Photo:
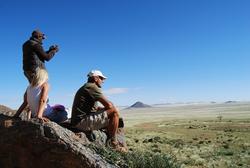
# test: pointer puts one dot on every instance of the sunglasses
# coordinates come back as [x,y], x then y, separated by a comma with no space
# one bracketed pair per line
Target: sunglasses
[101,77]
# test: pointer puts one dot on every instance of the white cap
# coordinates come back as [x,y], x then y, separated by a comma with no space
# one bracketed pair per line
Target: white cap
[96,73]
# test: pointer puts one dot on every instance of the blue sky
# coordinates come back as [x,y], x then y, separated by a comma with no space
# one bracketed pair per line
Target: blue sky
[154,51]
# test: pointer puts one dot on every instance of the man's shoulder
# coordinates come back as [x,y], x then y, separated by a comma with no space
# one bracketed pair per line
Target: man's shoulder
[28,42]
[90,85]
[92,88]
[31,42]
[85,88]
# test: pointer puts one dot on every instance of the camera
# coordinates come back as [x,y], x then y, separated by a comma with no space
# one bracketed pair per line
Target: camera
[53,47]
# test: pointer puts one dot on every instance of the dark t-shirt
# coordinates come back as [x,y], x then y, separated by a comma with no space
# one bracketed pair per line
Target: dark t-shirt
[85,101]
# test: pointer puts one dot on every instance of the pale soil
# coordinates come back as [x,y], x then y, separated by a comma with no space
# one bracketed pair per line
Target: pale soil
[240,110]
[194,134]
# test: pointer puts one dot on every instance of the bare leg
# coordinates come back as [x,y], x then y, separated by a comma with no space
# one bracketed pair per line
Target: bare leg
[113,124]
[112,130]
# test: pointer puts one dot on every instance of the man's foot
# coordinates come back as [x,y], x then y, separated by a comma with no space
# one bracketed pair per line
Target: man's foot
[115,146]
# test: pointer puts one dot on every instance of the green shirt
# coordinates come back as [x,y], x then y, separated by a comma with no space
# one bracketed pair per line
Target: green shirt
[85,101]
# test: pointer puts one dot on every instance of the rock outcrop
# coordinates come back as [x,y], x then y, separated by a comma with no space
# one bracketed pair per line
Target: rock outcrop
[30,143]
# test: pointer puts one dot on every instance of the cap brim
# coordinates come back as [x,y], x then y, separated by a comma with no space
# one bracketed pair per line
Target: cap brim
[104,77]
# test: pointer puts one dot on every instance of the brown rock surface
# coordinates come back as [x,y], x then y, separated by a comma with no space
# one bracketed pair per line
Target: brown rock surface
[34,144]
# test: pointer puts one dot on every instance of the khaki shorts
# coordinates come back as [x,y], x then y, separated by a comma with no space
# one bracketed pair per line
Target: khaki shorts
[94,121]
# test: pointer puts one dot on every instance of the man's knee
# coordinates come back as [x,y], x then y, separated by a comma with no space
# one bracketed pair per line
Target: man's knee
[113,113]
[116,115]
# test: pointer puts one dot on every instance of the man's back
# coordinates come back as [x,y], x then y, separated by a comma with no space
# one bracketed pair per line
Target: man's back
[84,101]
[30,59]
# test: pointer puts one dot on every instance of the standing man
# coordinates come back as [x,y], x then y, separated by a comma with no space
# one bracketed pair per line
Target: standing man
[88,116]
[34,55]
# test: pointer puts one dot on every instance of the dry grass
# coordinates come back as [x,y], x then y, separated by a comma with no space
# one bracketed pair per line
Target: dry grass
[193,133]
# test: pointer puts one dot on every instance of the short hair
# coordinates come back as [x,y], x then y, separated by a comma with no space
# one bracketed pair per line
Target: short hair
[37,33]
[91,79]
[40,77]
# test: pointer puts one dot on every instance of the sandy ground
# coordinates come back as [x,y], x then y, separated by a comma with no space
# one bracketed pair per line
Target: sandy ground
[198,135]
[235,110]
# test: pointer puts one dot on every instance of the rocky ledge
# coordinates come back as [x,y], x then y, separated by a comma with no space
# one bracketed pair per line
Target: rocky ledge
[31,143]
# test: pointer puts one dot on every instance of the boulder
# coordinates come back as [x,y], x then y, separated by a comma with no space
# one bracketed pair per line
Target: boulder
[31,143]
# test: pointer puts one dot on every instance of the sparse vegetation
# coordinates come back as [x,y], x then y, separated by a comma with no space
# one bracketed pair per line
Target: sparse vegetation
[196,140]
[192,142]
[138,159]
[220,117]
[195,147]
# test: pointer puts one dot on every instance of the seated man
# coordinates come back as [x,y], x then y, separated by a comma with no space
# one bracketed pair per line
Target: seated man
[88,116]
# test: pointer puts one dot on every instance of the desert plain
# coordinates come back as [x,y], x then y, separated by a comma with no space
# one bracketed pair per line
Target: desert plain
[197,135]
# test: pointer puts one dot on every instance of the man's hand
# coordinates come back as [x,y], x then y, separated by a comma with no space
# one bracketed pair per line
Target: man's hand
[54,47]
[99,108]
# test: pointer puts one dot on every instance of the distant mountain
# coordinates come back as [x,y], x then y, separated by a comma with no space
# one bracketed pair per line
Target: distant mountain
[227,102]
[161,104]
[139,105]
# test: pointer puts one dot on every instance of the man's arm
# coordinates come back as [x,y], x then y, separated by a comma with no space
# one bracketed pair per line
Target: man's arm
[23,106]
[45,55]
[108,106]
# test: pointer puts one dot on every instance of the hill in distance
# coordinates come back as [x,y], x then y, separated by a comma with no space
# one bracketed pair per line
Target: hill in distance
[5,109]
[139,105]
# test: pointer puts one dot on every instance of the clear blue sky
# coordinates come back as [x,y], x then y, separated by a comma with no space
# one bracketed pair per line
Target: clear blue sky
[155,51]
